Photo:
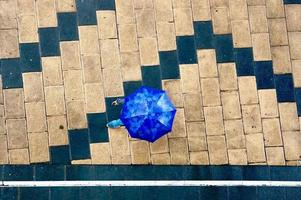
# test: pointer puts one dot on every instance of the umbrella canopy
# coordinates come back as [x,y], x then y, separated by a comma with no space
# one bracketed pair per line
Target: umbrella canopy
[148,114]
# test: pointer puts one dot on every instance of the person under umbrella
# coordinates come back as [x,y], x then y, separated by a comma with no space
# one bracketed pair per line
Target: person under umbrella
[147,114]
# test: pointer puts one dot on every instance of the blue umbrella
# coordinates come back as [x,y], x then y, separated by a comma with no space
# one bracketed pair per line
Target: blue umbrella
[148,114]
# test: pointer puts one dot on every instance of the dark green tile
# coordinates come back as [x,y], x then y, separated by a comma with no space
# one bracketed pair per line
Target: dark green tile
[237,193]
[271,193]
[186,50]
[86,12]
[106,5]
[79,144]
[223,48]
[39,193]
[131,86]
[213,193]
[67,25]
[9,193]
[203,32]
[256,173]
[244,61]
[95,193]
[264,74]
[151,76]
[11,73]
[284,87]
[80,172]
[126,193]
[98,131]
[169,65]
[60,154]
[64,193]
[18,173]
[30,58]
[113,112]
[49,41]
[49,172]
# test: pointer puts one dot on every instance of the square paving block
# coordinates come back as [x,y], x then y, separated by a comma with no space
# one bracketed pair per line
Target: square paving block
[151,76]
[30,58]
[98,131]
[18,173]
[60,154]
[49,172]
[67,26]
[169,65]
[11,73]
[49,41]
[79,144]
[203,32]
[186,50]
[86,12]
[224,48]
[130,87]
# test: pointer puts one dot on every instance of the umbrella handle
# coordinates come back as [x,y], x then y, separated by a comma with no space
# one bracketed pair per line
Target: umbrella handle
[118,101]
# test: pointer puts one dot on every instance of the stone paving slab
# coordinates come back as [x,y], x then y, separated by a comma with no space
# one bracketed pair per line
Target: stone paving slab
[231,67]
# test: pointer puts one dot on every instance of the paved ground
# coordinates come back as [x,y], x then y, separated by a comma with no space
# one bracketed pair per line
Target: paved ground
[232,68]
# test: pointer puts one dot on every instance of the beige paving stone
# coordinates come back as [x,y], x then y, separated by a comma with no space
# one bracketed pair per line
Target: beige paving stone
[2,126]
[190,78]
[160,146]
[100,153]
[201,10]
[210,92]
[197,143]
[275,8]
[258,19]
[288,116]
[18,156]
[237,157]
[178,129]
[46,13]
[255,148]
[293,17]
[70,55]
[163,10]
[181,3]
[94,98]
[16,133]
[125,11]
[261,47]
[145,19]
[207,63]
[81,162]
[76,115]
[296,68]
[130,66]
[140,152]
[9,43]
[292,144]
[231,105]
[183,21]
[28,29]
[247,90]
[14,103]
[281,60]
[1,98]
[251,118]
[55,100]
[166,36]
[33,87]
[73,83]
[119,144]
[271,132]
[112,82]
[295,44]
[52,71]
[199,158]
[110,57]
[278,33]
[88,39]
[127,37]
[268,103]
[2,110]
[275,156]
[179,151]
[91,68]
[143,4]
[293,163]
[65,5]
[38,147]
[217,150]
[241,33]
[36,117]
[8,14]
[221,20]
[148,51]
[172,86]
[196,129]
[177,99]
[193,107]
[227,76]
[214,120]
[106,21]
[160,159]
[219,3]
[3,150]
[234,134]
[25,7]
[238,9]
[57,130]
